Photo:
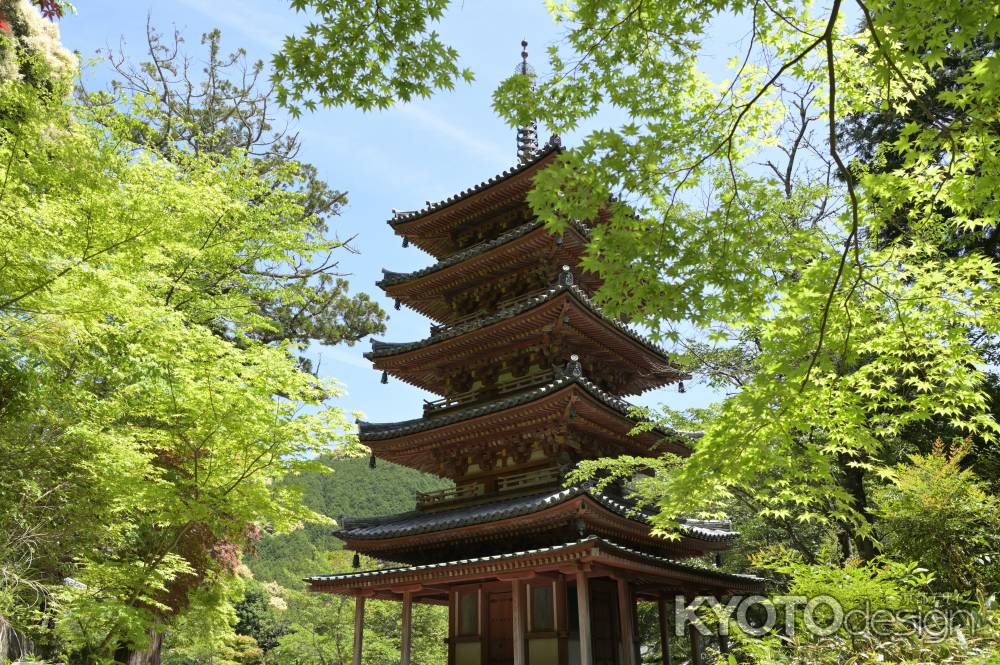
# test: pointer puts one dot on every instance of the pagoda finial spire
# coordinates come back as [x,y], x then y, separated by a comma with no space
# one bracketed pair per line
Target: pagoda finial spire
[527,136]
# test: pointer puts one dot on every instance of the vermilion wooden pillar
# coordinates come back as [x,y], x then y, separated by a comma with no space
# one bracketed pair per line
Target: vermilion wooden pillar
[583,605]
[625,622]
[661,604]
[407,630]
[520,630]
[359,627]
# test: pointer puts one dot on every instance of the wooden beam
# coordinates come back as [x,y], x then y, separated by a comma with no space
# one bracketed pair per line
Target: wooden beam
[723,638]
[521,575]
[519,618]
[625,623]
[697,644]
[583,605]
[404,588]
[359,627]
[636,637]
[407,629]
[452,625]
[662,609]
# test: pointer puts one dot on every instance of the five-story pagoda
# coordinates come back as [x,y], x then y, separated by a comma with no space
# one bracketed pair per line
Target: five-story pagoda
[530,374]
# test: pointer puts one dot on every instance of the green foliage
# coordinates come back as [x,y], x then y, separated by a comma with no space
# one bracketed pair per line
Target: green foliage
[367,54]
[351,489]
[856,340]
[258,617]
[166,107]
[144,427]
[204,632]
[30,49]
[938,514]
[290,625]
[882,604]
[322,631]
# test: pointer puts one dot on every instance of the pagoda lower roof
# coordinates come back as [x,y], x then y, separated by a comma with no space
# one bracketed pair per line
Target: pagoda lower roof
[419,522]
[428,228]
[569,403]
[391,278]
[379,431]
[425,290]
[415,362]
[650,569]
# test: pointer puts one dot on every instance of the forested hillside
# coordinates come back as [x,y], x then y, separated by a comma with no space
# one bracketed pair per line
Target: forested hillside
[815,233]
[351,488]
[276,620]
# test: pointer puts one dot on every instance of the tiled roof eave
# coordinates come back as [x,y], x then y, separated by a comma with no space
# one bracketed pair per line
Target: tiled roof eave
[382,349]
[381,431]
[554,146]
[392,278]
[585,547]
[417,522]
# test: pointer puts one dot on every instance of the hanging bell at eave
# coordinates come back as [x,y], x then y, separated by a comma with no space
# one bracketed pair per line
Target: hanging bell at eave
[356,561]
[680,387]
[397,305]
[406,243]
[371,461]
[385,377]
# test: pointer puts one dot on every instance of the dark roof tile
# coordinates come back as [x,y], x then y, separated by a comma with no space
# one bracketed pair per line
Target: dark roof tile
[416,522]
[392,278]
[379,431]
[401,217]
[381,348]
[603,542]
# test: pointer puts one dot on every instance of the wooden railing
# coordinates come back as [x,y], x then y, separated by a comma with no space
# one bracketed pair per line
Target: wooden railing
[426,499]
[509,483]
[516,300]
[528,479]
[470,396]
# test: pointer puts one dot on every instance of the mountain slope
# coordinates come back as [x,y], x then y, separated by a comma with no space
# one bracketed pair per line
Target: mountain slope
[351,489]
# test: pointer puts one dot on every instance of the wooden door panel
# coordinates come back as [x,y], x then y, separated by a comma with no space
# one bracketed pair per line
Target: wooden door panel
[500,629]
[603,628]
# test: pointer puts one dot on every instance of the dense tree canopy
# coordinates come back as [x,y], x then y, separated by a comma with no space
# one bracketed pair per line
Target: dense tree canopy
[167,105]
[145,417]
[824,221]
[857,337]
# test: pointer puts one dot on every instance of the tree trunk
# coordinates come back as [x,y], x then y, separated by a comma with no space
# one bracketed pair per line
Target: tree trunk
[853,481]
[148,656]
[844,539]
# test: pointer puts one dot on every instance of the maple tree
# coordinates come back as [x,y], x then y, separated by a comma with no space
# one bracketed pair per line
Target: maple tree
[858,337]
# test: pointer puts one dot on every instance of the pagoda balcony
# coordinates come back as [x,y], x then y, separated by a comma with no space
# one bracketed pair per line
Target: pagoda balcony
[552,322]
[471,396]
[505,486]
[449,495]
[438,329]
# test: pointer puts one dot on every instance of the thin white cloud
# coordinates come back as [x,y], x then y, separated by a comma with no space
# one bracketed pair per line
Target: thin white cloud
[345,357]
[265,28]
[363,158]
[440,125]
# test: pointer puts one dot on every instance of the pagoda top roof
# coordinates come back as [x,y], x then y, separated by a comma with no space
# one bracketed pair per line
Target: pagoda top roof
[553,146]
[391,278]
[418,522]
[381,431]
[381,349]
[588,544]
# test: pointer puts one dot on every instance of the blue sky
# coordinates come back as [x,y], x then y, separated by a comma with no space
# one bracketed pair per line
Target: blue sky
[398,158]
